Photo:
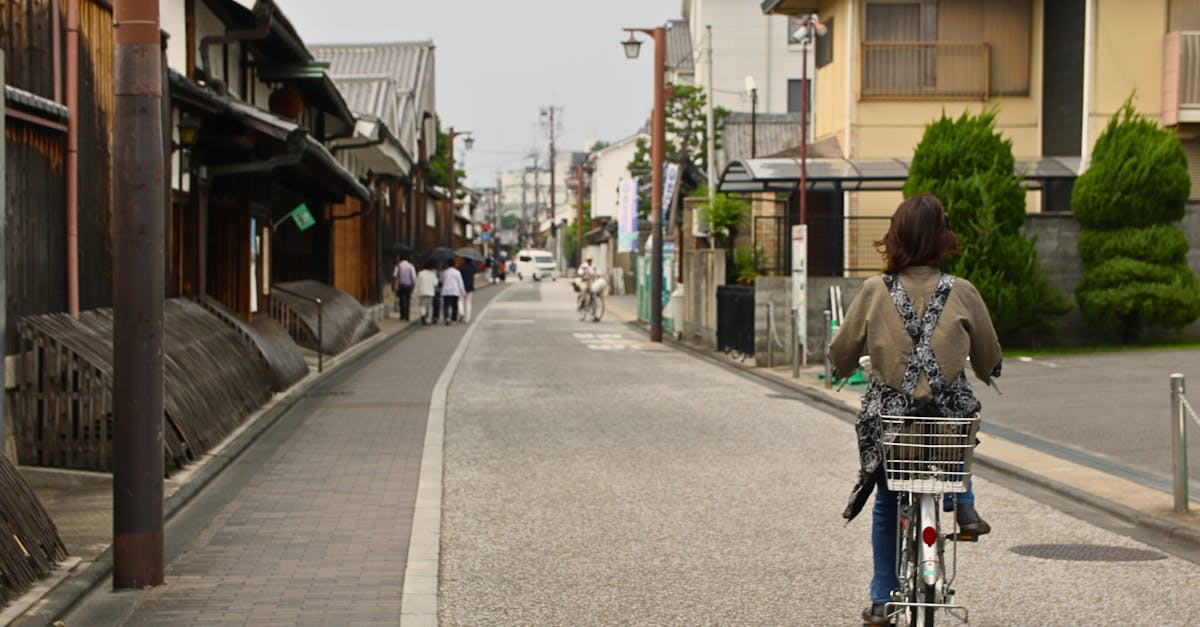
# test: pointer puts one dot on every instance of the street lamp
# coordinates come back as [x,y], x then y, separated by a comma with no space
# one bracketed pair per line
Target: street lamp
[468,143]
[657,157]
[810,28]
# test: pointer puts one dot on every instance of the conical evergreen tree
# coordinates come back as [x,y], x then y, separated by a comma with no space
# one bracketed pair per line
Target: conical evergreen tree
[969,167]
[1135,271]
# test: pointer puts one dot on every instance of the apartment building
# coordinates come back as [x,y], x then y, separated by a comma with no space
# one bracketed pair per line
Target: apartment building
[1055,71]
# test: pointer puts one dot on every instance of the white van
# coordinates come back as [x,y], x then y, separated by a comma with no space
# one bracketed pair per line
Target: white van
[536,263]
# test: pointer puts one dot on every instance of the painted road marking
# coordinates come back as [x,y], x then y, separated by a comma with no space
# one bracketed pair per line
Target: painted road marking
[608,341]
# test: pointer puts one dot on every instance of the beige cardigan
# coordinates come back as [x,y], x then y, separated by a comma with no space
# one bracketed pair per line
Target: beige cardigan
[873,327]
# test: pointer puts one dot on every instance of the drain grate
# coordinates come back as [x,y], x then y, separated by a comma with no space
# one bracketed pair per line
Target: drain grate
[1087,553]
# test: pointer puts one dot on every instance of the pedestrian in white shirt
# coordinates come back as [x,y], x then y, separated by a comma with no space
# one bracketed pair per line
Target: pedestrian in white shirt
[427,282]
[452,289]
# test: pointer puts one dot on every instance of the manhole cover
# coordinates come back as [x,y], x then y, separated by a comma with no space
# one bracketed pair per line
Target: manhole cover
[1087,553]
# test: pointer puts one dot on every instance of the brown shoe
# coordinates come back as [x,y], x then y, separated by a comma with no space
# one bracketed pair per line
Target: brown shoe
[876,614]
[969,521]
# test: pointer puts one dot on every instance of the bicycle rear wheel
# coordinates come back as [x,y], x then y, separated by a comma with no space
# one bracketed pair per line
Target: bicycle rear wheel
[923,616]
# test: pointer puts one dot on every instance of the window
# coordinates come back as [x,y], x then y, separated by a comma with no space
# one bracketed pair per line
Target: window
[946,49]
[824,46]
[794,93]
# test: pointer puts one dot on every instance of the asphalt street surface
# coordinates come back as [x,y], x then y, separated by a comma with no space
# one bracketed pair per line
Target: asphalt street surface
[592,477]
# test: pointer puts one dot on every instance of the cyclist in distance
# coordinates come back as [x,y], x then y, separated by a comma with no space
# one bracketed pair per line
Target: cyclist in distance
[587,273]
[918,325]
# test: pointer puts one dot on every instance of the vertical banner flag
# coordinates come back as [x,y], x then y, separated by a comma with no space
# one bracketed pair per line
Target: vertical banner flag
[670,184]
[627,216]
[800,285]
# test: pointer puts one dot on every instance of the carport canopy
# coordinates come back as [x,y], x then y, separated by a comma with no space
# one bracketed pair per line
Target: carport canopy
[783,175]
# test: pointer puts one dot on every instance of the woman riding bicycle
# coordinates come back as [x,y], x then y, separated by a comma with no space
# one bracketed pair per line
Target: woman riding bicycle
[918,325]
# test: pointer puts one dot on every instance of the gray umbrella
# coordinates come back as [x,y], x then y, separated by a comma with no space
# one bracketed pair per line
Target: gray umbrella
[469,253]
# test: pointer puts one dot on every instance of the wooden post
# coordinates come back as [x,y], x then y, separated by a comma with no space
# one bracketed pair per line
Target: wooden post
[138,284]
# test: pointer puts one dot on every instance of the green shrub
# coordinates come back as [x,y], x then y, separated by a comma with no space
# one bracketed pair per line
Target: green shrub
[1160,243]
[1138,176]
[969,167]
[743,265]
[1135,271]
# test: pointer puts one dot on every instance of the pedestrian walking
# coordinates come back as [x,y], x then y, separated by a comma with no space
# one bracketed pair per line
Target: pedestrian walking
[426,288]
[404,277]
[452,289]
[468,278]
[501,266]
[919,326]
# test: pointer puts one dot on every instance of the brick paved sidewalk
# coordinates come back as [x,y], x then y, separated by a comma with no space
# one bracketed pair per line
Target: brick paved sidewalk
[311,525]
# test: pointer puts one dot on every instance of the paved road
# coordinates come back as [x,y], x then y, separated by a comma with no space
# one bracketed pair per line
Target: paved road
[590,477]
[311,524]
[1111,409]
[606,480]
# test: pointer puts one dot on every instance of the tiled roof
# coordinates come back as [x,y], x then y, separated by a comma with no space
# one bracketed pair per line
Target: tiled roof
[390,81]
[775,132]
[679,46]
[35,102]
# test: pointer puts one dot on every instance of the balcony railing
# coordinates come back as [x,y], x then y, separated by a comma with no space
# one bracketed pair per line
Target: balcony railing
[920,70]
[1181,77]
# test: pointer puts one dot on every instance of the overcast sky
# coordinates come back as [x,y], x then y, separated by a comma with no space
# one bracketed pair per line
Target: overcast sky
[499,62]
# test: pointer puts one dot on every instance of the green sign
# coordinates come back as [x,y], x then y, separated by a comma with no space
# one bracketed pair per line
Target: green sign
[302,217]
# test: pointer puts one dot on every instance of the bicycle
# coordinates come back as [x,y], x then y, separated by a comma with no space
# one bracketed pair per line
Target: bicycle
[592,306]
[925,458]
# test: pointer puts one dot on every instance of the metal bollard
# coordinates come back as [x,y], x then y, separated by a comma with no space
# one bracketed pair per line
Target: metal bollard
[320,336]
[1179,443]
[795,343]
[828,339]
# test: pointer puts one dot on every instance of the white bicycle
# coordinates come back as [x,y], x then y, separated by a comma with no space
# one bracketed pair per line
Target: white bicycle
[592,304]
[925,458]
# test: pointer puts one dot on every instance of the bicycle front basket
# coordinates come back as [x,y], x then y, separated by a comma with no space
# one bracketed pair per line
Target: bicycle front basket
[927,454]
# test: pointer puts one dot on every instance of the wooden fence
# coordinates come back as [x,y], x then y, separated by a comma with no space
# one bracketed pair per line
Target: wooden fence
[29,542]
[213,379]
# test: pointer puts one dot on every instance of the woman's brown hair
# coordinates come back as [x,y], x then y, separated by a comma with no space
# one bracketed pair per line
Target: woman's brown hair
[919,235]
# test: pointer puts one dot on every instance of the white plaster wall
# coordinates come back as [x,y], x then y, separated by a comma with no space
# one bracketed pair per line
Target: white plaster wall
[172,19]
[609,169]
[745,43]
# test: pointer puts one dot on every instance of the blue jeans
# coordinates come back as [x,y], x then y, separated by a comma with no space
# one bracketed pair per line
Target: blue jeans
[883,537]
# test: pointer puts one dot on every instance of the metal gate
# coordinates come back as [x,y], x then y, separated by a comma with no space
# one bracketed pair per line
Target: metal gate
[735,318]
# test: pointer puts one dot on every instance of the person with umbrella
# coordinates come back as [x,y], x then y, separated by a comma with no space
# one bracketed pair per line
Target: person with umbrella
[467,269]
[452,289]
[426,290]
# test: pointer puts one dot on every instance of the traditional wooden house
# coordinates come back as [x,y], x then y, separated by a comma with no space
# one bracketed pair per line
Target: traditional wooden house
[58,254]
[258,198]
[390,89]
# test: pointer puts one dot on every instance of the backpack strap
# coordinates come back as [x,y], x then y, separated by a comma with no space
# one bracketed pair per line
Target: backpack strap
[921,359]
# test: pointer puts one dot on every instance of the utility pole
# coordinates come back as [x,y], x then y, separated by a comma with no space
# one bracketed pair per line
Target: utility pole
[537,202]
[709,123]
[549,111]
[579,212]
[138,285]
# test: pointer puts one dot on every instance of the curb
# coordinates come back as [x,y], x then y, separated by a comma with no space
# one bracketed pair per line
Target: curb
[64,597]
[849,413]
